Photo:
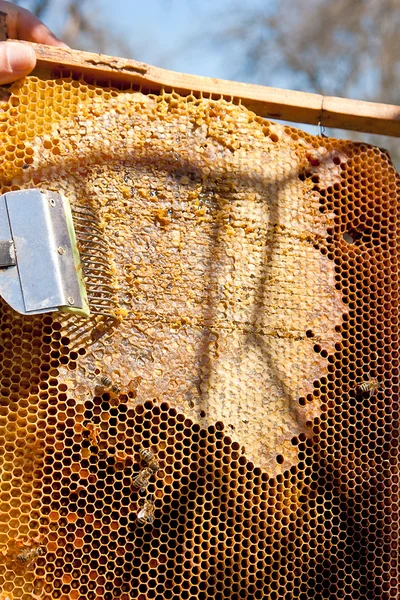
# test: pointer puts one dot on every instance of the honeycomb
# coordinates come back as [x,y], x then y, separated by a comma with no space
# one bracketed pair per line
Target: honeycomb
[249,344]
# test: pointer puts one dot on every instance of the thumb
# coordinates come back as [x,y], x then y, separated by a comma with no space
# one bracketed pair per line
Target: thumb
[16,60]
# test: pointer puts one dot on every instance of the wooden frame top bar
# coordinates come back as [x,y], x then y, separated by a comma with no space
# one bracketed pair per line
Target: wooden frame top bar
[273,103]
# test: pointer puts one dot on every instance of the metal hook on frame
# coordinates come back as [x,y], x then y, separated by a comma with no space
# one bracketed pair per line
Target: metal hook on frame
[321,127]
[321,130]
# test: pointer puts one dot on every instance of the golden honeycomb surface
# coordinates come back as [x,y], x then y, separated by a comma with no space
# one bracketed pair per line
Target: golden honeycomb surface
[250,341]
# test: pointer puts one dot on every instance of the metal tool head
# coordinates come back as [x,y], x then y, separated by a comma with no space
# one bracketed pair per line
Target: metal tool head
[40,269]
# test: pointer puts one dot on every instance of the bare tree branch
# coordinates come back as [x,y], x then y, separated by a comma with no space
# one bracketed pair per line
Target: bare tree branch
[332,47]
[41,7]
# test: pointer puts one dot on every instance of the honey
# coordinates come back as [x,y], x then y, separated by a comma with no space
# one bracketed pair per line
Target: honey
[254,279]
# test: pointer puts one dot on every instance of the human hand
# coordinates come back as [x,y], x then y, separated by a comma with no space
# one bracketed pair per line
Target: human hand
[17,60]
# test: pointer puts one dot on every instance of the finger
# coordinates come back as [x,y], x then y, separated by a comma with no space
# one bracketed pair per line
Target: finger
[16,60]
[23,25]
[31,29]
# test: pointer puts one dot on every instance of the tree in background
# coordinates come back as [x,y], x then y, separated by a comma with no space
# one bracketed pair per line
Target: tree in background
[332,47]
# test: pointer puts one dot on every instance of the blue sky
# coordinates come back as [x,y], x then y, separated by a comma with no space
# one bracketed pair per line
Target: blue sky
[166,33]
[175,34]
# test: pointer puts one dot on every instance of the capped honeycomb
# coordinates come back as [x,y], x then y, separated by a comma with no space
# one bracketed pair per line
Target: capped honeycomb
[225,424]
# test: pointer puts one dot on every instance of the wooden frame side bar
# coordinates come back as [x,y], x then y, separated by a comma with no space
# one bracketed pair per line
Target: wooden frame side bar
[265,101]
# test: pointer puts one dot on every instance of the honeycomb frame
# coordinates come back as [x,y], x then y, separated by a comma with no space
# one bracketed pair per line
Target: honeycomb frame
[324,525]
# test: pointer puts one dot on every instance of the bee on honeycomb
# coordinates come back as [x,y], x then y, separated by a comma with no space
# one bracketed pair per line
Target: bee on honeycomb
[28,555]
[371,386]
[146,513]
[108,383]
[148,457]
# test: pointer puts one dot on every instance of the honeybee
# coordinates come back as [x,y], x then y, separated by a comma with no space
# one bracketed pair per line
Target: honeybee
[372,385]
[107,382]
[142,480]
[93,433]
[147,455]
[28,555]
[146,512]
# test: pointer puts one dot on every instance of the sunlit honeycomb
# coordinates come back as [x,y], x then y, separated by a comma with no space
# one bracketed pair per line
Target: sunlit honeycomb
[265,488]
